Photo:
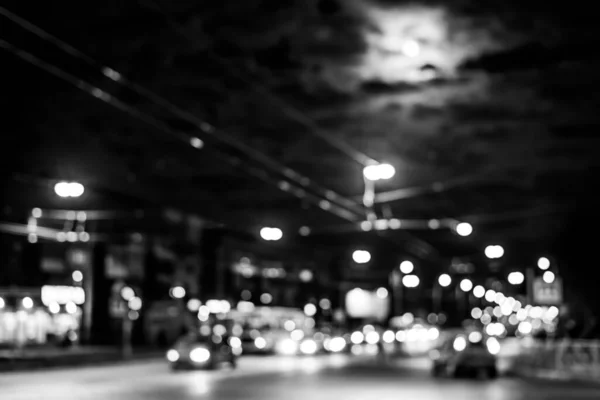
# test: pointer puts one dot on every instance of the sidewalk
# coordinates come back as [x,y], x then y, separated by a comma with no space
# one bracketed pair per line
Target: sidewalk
[48,357]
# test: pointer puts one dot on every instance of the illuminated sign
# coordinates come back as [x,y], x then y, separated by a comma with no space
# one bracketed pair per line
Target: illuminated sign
[547,293]
[366,304]
[62,294]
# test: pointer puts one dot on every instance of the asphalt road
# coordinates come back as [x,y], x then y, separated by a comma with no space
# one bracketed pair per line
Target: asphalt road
[265,378]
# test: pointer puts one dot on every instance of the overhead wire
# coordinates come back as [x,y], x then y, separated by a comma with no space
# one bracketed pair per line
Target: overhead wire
[298,116]
[204,126]
[352,214]
[161,126]
[289,110]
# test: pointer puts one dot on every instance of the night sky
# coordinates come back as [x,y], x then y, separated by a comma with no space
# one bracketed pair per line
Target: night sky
[490,111]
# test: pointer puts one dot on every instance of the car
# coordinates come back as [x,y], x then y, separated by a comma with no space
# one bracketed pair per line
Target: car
[203,352]
[461,356]
[255,342]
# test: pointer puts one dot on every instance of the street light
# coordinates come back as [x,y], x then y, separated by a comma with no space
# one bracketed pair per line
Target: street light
[549,277]
[466,285]
[197,142]
[410,281]
[543,263]
[516,278]
[310,309]
[361,256]
[77,276]
[464,229]
[406,267]
[271,234]
[378,172]
[69,189]
[444,280]
[127,293]
[177,292]
[493,252]
[479,291]
[382,293]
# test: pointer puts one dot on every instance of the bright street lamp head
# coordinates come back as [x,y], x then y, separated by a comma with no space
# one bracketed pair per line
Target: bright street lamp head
[548,277]
[466,285]
[464,229]
[69,189]
[361,256]
[444,280]
[386,171]
[493,252]
[410,281]
[378,172]
[543,263]
[406,267]
[271,234]
[516,278]
[479,291]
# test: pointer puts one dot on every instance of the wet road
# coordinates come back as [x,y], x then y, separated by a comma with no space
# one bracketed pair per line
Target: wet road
[264,378]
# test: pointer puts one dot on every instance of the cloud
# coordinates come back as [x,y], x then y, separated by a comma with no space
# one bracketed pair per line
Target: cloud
[394,42]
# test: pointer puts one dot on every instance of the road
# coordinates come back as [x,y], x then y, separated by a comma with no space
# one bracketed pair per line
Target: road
[264,378]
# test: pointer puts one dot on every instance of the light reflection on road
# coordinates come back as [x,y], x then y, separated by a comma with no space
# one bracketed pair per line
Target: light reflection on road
[264,378]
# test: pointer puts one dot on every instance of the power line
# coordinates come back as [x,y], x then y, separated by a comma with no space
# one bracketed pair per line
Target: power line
[204,126]
[288,109]
[117,103]
[330,196]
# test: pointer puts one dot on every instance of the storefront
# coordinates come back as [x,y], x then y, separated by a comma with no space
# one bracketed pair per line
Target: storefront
[50,315]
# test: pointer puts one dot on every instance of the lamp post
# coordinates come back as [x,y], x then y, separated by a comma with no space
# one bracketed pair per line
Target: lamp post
[371,174]
[543,264]
[397,291]
[400,278]
[443,281]
[463,289]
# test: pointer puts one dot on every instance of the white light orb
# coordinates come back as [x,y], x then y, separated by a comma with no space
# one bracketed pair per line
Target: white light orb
[361,256]
[382,293]
[466,285]
[543,263]
[479,291]
[464,229]
[407,267]
[444,280]
[549,277]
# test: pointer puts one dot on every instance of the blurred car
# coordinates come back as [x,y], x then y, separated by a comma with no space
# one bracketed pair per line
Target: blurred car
[337,344]
[207,352]
[256,342]
[302,347]
[466,355]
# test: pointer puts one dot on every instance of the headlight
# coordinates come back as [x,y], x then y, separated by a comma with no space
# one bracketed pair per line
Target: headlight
[260,343]
[287,347]
[172,355]
[493,345]
[308,347]
[460,343]
[235,342]
[199,355]
[475,337]
[337,344]
[357,337]
[372,337]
